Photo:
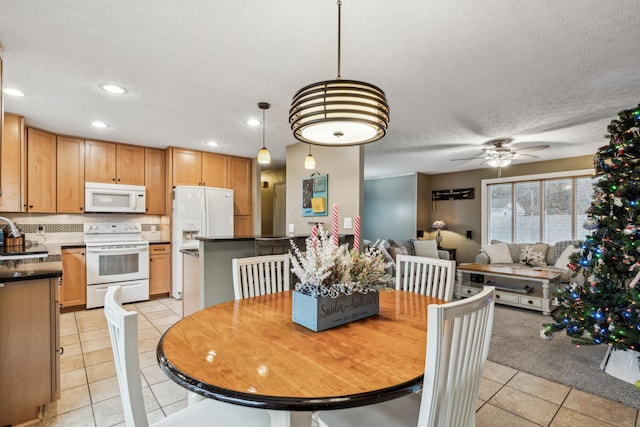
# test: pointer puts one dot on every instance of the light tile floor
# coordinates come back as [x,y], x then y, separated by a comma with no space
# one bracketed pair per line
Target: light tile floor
[90,395]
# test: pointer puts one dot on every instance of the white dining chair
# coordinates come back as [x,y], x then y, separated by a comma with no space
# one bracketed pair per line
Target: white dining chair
[123,330]
[260,275]
[427,276]
[458,340]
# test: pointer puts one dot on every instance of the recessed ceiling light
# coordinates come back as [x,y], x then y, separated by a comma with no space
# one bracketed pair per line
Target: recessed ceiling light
[212,144]
[253,122]
[98,124]
[13,92]
[117,90]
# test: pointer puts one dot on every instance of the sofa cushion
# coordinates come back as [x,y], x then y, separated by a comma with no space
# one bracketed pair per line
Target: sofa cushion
[398,250]
[425,248]
[498,253]
[534,255]
[563,259]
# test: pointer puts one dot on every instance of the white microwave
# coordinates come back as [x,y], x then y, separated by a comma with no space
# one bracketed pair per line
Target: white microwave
[114,198]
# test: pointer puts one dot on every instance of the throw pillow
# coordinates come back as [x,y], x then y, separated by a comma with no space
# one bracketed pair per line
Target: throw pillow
[498,253]
[398,250]
[534,255]
[563,259]
[425,248]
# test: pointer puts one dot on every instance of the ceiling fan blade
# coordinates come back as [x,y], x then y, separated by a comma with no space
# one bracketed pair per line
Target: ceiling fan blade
[530,149]
[468,158]
[520,155]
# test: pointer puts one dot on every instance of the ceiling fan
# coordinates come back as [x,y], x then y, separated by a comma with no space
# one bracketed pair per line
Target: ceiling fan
[500,154]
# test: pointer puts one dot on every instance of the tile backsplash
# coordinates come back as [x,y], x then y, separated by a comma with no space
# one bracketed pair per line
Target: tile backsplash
[54,235]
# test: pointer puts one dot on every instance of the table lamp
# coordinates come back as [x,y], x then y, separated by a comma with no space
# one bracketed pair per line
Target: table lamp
[439,225]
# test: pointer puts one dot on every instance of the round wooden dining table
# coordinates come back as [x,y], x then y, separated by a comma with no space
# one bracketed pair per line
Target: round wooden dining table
[249,352]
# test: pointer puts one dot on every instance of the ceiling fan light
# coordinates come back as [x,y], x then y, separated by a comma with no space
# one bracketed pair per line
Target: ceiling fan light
[499,163]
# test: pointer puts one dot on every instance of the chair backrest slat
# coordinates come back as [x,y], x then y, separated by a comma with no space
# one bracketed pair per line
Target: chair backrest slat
[458,344]
[426,276]
[261,275]
[123,331]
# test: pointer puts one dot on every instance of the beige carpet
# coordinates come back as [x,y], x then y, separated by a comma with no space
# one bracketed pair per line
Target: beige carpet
[516,343]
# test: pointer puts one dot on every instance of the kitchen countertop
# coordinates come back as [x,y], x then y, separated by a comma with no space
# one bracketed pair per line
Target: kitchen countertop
[23,250]
[31,271]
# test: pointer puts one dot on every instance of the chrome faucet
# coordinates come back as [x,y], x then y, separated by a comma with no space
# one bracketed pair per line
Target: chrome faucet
[14,230]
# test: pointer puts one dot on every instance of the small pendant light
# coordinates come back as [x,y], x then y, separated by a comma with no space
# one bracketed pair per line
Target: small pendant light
[309,161]
[263,154]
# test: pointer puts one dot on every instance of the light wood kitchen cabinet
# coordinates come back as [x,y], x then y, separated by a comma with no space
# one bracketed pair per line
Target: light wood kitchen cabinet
[154,180]
[112,163]
[13,165]
[41,171]
[29,349]
[214,170]
[240,182]
[130,165]
[242,225]
[159,270]
[187,167]
[73,292]
[70,169]
[100,162]
[199,168]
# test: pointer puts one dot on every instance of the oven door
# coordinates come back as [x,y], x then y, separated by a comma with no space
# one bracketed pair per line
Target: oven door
[117,262]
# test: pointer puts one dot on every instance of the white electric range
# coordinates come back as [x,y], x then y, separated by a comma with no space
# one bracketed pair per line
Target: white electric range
[116,255]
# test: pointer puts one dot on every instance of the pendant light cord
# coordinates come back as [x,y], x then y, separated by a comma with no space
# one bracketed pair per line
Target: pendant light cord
[263,127]
[339,35]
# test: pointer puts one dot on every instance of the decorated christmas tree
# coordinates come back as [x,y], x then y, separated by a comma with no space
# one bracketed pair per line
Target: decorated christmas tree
[602,303]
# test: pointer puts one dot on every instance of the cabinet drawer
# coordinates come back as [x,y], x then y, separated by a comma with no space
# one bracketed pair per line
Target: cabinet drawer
[468,291]
[533,302]
[159,249]
[501,296]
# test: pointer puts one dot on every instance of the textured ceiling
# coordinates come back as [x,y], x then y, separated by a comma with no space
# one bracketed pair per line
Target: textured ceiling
[456,74]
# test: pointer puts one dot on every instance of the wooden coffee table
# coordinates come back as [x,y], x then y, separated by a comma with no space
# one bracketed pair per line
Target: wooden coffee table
[538,281]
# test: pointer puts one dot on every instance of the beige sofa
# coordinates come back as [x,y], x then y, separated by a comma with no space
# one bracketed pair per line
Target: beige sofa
[553,253]
[394,247]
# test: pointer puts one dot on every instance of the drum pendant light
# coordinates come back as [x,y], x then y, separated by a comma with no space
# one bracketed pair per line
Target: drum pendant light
[339,112]
[264,156]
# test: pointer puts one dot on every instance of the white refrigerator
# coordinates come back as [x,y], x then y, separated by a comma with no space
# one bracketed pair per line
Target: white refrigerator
[198,212]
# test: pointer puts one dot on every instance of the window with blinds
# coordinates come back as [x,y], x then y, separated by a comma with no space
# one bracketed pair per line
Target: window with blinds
[544,210]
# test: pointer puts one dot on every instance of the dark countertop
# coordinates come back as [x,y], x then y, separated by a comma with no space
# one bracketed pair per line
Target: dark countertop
[23,250]
[225,239]
[31,271]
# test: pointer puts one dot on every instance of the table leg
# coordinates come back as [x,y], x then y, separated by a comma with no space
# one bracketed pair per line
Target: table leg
[545,297]
[459,274]
[289,418]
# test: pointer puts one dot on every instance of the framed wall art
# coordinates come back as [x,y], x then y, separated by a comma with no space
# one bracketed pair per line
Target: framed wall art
[314,195]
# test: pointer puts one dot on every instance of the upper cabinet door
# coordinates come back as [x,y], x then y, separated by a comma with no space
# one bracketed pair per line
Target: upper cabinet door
[240,182]
[70,175]
[41,171]
[14,162]
[130,165]
[214,170]
[187,167]
[154,180]
[100,162]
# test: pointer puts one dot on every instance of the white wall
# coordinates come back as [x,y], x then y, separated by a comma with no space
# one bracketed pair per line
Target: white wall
[345,169]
